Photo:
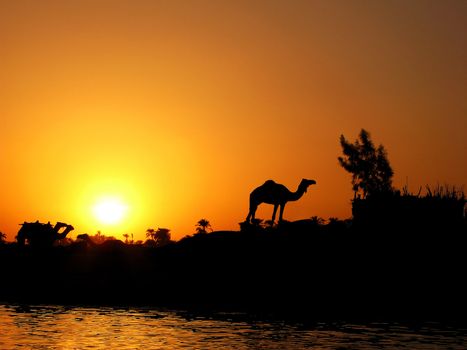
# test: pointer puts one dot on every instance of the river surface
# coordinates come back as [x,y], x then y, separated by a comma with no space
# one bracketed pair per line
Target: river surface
[59,327]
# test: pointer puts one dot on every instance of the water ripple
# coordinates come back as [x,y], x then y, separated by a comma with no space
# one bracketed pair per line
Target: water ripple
[57,327]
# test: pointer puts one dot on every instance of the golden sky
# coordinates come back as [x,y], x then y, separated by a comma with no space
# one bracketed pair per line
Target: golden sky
[180,108]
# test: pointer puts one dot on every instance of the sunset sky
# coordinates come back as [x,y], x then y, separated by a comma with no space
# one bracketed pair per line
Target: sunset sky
[175,110]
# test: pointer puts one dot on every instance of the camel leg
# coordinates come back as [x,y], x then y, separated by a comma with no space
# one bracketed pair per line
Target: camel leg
[281,212]
[274,213]
[20,238]
[251,213]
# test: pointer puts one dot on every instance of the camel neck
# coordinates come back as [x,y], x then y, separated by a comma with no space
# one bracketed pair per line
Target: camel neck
[294,196]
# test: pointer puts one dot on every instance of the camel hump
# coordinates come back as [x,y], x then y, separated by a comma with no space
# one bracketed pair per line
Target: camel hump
[267,186]
[269,183]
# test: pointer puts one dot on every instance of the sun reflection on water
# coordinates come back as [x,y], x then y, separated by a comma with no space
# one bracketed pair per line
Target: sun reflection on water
[56,327]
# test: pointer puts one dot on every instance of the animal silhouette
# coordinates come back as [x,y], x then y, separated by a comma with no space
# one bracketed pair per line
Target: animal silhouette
[276,194]
[109,243]
[84,237]
[39,234]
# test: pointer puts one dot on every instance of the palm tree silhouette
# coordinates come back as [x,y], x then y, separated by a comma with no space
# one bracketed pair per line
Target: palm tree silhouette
[202,226]
[150,233]
[318,221]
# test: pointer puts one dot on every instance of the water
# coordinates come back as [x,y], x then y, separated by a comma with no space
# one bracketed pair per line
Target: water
[57,327]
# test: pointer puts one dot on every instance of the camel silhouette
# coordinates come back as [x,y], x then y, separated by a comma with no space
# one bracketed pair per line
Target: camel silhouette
[38,234]
[276,194]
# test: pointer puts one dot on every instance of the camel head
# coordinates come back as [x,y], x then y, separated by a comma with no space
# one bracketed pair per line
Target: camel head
[305,183]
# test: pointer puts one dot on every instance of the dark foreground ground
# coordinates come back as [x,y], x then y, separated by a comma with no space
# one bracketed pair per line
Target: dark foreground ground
[337,274]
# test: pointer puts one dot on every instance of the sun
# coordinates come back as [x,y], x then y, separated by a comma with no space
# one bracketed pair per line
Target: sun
[110,211]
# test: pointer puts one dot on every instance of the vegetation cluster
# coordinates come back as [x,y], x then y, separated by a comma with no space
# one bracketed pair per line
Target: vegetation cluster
[377,205]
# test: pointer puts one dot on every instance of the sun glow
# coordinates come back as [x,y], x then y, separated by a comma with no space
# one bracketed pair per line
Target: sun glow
[110,211]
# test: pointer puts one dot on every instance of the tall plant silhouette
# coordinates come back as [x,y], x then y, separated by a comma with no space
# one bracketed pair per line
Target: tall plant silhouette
[317,221]
[369,166]
[2,238]
[162,237]
[202,226]
[158,238]
[150,233]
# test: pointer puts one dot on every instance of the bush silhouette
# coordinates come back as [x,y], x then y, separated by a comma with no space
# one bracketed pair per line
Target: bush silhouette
[438,210]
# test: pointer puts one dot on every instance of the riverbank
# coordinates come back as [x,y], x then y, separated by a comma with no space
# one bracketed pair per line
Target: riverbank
[333,275]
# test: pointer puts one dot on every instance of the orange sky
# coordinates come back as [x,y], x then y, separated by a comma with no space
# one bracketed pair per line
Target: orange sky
[181,108]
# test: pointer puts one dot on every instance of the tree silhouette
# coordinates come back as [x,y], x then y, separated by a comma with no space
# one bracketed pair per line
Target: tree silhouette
[158,238]
[202,226]
[150,233]
[162,237]
[369,166]
[2,238]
